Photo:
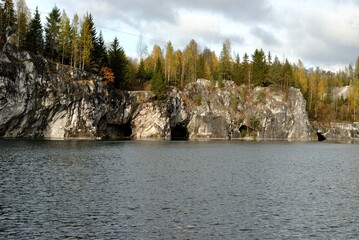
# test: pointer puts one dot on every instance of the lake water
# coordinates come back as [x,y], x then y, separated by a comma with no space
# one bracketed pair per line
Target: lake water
[178,190]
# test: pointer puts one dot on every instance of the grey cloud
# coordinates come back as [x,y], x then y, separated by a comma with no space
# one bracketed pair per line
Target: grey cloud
[244,10]
[137,11]
[266,37]
[291,30]
[324,52]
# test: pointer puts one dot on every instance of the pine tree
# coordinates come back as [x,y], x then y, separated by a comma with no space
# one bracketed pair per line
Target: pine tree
[52,30]
[118,62]
[34,39]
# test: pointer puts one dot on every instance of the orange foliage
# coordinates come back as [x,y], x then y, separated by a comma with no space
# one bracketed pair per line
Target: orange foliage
[108,75]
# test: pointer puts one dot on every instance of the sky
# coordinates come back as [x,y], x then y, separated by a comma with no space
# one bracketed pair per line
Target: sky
[321,33]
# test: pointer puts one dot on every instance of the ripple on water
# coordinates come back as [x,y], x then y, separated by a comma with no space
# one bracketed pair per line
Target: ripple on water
[182,190]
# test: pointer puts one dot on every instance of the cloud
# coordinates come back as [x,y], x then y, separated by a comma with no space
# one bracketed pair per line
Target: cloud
[266,37]
[322,32]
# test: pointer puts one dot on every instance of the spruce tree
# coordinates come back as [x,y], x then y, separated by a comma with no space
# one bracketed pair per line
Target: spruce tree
[98,55]
[141,74]
[259,68]
[275,73]
[245,71]
[8,20]
[158,81]
[118,62]
[52,32]
[34,38]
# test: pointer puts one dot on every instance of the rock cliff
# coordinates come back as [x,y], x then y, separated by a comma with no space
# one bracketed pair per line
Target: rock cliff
[42,99]
[340,131]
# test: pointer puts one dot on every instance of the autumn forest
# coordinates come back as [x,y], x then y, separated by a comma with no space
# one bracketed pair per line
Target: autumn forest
[75,41]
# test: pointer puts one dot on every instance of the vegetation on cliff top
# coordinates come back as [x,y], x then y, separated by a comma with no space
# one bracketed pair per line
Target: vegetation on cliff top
[76,42]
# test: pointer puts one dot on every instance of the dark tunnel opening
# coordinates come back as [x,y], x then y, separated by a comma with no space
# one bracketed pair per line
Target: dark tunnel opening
[119,131]
[179,133]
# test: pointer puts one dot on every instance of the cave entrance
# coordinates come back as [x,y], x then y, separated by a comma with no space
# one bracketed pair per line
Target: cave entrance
[119,131]
[179,132]
[321,137]
[245,131]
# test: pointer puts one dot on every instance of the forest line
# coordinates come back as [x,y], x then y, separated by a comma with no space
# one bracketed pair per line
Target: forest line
[77,42]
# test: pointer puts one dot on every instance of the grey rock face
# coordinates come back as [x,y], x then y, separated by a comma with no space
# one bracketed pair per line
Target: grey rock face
[341,132]
[41,99]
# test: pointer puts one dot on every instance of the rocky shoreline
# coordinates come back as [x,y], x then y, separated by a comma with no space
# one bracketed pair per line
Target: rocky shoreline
[42,99]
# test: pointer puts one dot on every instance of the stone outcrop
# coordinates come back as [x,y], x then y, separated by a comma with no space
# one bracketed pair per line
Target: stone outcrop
[42,99]
[340,131]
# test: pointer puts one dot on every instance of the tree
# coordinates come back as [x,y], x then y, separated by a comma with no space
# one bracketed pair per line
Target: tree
[86,41]
[118,62]
[210,61]
[189,63]
[2,24]
[177,66]
[354,97]
[275,76]
[75,42]
[245,71]
[287,76]
[52,30]
[158,81]
[151,60]
[34,38]
[226,60]
[100,54]
[22,21]
[301,80]
[108,75]
[169,63]
[8,20]
[141,48]
[259,68]
[237,71]
[203,69]
[65,37]
[141,74]
[97,57]
[356,71]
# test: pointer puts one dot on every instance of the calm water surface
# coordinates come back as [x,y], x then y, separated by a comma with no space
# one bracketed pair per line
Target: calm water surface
[178,190]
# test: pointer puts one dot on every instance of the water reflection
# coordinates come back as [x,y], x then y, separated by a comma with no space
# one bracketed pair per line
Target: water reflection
[163,190]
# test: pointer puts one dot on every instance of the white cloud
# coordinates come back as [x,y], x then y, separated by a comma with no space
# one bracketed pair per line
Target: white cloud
[321,33]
